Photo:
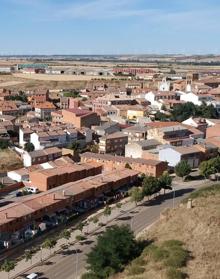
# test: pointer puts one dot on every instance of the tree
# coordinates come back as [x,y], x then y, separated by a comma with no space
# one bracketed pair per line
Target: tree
[127,166]
[136,195]
[209,167]
[115,248]
[8,266]
[165,181]
[4,144]
[150,186]
[80,226]
[66,234]
[29,147]
[182,169]
[74,146]
[107,211]
[28,255]
[49,243]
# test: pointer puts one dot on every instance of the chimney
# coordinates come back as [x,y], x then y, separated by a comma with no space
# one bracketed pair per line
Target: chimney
[64,193]
[54,196]
[6,215]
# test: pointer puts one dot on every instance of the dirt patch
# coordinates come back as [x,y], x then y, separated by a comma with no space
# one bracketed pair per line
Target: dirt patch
[60,77]
[9,160]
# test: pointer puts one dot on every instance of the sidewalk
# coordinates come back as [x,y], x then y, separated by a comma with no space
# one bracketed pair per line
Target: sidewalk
[45,254]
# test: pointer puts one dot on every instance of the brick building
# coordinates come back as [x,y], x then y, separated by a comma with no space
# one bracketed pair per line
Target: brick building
[47,179]
[20,216]
[149,167]
[77,117]
[113,143]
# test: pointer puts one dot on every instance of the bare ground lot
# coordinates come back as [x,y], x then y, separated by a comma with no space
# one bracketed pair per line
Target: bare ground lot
[59,77]
[9,160]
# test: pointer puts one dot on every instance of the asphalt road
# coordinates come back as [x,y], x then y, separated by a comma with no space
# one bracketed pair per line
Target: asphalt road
[70,264]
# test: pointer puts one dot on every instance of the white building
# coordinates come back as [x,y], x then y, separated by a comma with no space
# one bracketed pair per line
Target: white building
[164,85]
[136,149]
[174,155]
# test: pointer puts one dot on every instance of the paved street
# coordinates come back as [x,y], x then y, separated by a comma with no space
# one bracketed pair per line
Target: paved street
[70,264]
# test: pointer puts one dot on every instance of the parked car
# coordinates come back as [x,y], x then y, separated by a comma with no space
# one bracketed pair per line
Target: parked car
[33,190]
[32,276]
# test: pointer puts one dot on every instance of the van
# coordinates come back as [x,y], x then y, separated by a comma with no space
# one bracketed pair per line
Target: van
[32,276]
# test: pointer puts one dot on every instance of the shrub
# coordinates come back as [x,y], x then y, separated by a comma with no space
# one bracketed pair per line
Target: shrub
[89,275]
[177,257]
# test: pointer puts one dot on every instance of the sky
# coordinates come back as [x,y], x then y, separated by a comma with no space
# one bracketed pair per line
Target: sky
[109,27]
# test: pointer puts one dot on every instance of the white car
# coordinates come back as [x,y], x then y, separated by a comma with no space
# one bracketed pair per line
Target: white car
[32,276]
[33,190]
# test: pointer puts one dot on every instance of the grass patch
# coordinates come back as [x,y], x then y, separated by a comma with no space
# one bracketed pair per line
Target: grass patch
[173,273]
[135,269]
[171,254]
[204,192]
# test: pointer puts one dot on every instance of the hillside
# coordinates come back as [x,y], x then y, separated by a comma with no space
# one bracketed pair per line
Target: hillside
[198,254]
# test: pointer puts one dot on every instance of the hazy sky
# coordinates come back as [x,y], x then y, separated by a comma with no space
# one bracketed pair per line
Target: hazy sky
[109,26]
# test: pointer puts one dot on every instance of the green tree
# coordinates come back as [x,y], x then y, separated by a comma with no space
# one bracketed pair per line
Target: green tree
[182,169]
[136,195]
[29,147]
[66,234]
[209,167]
[165,181]
[29,255]
[49,243]
[115,248]
[150,186]
[8,266]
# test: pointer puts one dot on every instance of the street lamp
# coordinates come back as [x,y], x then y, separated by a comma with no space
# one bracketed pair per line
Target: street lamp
[174,195]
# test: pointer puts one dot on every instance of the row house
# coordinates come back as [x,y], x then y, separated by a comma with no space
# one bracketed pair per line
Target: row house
[47,179]
[26,213]
[41,156]
[8,108]
[149,167]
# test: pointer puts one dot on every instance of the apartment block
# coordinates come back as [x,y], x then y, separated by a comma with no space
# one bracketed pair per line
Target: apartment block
[113,143]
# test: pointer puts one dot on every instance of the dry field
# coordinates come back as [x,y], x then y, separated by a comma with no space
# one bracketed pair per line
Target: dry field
[199,229]
[58,78]
[9,160]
